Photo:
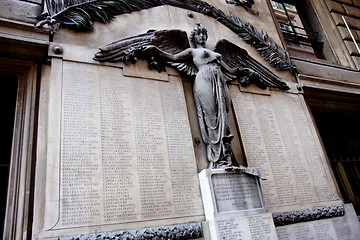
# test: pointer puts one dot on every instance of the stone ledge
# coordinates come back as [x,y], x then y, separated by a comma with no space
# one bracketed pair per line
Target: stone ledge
[335,7]
[353,23]
[180,231]
[352,11]
[346,35]
[19,10]
[310,214]
[344,1]
[326,70]
[352,48]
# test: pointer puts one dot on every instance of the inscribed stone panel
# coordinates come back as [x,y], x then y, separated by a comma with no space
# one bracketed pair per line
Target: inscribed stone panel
[278,139]
[121,159]
[236,192]
[255,227]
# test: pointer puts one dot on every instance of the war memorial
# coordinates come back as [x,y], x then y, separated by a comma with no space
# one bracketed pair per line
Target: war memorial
[172,120]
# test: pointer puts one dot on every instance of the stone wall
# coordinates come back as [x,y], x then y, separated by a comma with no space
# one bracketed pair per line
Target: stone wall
[350,9]
[22,11]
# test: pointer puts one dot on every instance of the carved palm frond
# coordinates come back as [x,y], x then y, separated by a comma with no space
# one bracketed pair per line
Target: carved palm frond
[267,48]
[80,15]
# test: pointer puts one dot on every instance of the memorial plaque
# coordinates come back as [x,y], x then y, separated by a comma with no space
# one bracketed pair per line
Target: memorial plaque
[120,157]
[278,139]
[236,192]
[255,227]
[234,206]
[230,193]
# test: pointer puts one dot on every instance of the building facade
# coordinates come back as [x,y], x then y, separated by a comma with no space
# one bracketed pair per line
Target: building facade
[93,147]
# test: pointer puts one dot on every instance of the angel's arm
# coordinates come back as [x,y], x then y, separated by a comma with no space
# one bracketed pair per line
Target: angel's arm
[231,70]
[181,56]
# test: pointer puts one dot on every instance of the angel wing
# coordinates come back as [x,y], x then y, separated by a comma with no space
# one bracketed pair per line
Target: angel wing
[138,47]
[236,57]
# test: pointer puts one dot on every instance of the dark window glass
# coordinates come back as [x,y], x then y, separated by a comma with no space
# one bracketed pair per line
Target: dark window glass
[8,105]
[340,134]
[296,28]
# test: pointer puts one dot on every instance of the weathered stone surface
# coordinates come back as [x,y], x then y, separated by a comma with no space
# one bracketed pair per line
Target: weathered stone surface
[357,35]
[344,32]
[352,22]
[357,61]
[327,71]
[19,10]
[352,11]
[352,48]
[335,7]
[344,1]
[279,139]
[356,3]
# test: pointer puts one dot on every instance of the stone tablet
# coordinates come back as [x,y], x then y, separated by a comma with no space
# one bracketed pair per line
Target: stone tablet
[255,227]
[278,138]
[236,192]
[230,193]
[126,153]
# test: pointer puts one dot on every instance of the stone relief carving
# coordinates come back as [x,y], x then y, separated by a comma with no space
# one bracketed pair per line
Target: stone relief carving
[246,4]
[310,214]
[181,231]
[211,70]
[80,15]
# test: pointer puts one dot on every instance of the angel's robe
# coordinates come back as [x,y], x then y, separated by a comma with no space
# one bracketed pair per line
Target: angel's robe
[212,100]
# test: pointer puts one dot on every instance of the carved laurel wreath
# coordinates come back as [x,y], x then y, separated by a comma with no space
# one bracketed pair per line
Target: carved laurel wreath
[80,15]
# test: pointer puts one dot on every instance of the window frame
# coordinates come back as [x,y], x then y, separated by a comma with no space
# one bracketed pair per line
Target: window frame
[18,215]
[310,39]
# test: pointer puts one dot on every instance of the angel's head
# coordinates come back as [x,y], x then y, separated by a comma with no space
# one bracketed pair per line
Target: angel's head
[198,35]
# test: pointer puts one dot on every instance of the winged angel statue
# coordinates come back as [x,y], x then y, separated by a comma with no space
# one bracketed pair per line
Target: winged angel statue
[211,71]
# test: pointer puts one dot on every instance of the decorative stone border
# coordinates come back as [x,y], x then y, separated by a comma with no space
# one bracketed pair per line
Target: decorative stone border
[310,214]
[181,231]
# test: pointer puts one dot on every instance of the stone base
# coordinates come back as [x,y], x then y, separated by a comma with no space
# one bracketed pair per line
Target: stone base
[234,207]
[252,227]
[230,193]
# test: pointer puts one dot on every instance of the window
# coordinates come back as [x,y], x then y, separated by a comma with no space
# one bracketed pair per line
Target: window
[8,103]
[297,31]
[17,146]
[337,117]
[341,137]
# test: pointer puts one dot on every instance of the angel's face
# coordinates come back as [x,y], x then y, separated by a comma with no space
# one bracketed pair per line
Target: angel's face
[200,37]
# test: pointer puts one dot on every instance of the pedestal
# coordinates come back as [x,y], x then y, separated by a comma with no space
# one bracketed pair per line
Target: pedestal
[234,206]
